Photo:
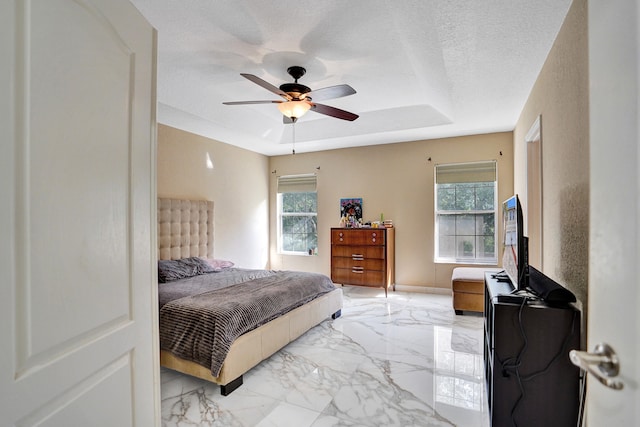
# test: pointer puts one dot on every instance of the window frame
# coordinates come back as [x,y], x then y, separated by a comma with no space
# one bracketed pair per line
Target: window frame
[439,214]
[307,185]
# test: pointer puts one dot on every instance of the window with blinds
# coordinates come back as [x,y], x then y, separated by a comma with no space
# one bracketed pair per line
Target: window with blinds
[465,213]
[297,214]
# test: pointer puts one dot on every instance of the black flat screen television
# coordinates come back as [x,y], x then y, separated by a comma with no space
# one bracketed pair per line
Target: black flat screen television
[515,251]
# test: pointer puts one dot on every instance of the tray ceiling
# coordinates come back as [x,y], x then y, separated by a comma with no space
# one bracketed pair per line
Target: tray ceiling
[421,69]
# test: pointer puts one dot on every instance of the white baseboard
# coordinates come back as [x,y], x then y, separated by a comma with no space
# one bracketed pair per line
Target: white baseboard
[423,289]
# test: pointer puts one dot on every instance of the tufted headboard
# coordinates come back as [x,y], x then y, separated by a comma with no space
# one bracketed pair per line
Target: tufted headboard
[185,228]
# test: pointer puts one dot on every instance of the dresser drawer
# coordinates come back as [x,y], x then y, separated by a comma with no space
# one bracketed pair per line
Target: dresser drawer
[358,263]
[358,252]
[358,277]
[358,236]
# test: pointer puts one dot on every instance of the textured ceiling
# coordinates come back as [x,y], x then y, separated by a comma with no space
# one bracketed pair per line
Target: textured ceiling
[421,68]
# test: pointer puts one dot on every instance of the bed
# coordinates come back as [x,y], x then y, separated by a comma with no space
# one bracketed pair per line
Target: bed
[185,237]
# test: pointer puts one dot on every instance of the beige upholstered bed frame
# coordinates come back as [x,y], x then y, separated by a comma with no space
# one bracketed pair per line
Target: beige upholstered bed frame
[185,228]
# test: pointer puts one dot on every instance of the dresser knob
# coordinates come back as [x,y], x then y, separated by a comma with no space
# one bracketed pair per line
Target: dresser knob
[374,239]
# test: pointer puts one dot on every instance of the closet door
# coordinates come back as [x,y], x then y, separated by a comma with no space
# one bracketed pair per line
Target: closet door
[77,218]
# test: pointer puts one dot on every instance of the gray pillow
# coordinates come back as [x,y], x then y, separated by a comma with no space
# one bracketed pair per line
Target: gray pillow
[169,270]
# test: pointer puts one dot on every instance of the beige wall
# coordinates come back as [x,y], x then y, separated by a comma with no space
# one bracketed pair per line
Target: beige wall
[394,179]
[237,184]
[560,97]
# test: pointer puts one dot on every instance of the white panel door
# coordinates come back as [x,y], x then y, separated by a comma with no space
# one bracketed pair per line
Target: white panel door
[614,259]
[77,218]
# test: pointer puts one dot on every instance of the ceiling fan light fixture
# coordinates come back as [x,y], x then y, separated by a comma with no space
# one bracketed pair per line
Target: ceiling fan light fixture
[294,109]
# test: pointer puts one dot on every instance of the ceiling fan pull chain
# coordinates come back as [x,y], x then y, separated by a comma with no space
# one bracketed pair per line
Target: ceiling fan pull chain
[293,126]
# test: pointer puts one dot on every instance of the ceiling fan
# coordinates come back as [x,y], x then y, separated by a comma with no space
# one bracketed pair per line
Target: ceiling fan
[298,98]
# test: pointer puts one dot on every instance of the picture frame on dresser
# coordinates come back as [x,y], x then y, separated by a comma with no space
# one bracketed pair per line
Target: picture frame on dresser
[351,207]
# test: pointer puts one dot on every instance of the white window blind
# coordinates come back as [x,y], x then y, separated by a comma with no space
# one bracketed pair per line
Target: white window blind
[297,183]
[466,172]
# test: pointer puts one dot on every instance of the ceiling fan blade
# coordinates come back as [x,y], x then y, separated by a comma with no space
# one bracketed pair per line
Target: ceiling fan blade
[333,112]
[268,86]
[250,102]
[331,92]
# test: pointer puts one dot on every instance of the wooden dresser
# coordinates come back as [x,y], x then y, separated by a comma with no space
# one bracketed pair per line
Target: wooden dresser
[363,256]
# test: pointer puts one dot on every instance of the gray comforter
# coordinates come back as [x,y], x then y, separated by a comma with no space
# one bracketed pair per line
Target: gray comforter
[200,317]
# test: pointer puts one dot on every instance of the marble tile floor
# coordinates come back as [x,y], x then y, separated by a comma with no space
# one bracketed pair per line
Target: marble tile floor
[405,360]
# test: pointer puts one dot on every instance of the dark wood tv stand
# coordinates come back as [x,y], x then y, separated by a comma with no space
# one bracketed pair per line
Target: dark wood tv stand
[540,367]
